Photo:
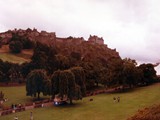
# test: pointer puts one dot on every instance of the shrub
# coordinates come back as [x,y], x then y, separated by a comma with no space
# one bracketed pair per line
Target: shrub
[151,113]
[15,46]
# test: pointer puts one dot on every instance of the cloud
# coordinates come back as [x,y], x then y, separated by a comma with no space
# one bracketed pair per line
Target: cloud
[130,26]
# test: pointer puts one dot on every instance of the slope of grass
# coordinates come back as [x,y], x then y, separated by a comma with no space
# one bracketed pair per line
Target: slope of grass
[22,57]
[12,58]
[101,108]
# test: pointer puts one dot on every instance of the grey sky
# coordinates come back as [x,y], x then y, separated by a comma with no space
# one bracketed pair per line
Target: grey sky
[130,26]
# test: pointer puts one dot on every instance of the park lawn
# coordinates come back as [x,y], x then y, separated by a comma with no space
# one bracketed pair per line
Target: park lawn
[16,95]
[101,108]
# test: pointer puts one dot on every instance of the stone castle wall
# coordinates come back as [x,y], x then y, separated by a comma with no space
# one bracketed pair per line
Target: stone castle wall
[47,37]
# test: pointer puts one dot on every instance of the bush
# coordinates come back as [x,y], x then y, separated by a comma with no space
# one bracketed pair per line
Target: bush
[151,113]
[15,46]
[27,44]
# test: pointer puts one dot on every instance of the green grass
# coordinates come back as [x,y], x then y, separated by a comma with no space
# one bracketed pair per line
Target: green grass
[12,58]
[16,95]
[101,108]
[24,56]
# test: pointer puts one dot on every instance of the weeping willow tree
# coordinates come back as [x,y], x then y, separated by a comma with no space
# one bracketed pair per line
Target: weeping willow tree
[35,84]
[64,84]
[80,78]
[55,83]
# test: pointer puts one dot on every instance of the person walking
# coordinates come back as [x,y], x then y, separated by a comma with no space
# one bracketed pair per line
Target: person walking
[118,99]
[31,116]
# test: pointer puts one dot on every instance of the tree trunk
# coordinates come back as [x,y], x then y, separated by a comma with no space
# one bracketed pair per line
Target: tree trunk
[97,84]
[38,96]
[71,101]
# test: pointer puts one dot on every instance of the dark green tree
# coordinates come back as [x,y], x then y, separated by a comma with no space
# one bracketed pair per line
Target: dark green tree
[24,40]
[149,73]
[15,73]
[55,83]
[35,82]
[115,72]
[80,78]
[63,83]
[15,46]
[47,90]
[130,72]
[44,57]
[61,62]
[2,77]
[4,68]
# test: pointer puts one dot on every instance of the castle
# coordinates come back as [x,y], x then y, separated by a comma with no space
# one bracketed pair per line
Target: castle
[46,37]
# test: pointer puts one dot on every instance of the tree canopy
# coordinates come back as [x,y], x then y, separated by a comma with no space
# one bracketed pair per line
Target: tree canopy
[64,83]
[36,82]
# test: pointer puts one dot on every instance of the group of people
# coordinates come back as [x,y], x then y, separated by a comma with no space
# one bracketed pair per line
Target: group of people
[116,99]
[3,100]
[14,106]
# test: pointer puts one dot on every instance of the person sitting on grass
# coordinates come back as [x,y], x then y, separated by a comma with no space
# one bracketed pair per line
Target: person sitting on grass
[114,99]
[15,118]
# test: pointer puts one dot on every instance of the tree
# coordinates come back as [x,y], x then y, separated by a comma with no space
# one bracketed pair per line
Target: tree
[47,88]
[61,62]
[35,82]
[149,73]
[55,83]
[130,72]
[1,96]
[4,68]
[63,83]
[44,57]
[26,68]
[15,46]
[80,78]
[1,76]
[15,73]
[91,73]
[115,72]
[25,41]
[39,58]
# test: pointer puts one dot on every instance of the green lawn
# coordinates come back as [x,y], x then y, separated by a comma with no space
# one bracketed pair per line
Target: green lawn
[16,95]
[101,108]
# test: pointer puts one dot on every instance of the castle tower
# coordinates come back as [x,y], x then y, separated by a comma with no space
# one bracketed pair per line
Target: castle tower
[95,39]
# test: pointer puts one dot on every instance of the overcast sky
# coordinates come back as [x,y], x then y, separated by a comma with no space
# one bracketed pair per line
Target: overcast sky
[130,26]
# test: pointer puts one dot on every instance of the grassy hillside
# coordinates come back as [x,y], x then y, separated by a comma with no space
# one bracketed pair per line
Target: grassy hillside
[22,57]
[101,108]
